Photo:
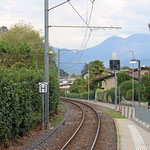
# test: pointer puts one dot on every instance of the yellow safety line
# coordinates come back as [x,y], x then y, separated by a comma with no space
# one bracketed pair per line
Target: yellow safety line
[118,134]
[127,135]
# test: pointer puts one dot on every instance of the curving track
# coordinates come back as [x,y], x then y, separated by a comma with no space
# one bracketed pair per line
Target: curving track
[89,129]
[79,131]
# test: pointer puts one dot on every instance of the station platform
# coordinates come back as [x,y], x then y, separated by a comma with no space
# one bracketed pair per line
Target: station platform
[131,134]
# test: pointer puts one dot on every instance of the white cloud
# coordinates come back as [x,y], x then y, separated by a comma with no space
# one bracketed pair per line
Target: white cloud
[132,16]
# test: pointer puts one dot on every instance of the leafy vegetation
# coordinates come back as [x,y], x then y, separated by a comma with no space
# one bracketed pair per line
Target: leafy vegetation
[127,85]
[114,114]
[122,77]
[111,93]
[145,88]
[21,67]
[100,94]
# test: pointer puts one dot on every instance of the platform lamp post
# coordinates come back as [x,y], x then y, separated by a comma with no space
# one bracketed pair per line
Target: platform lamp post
[133,61]
[132,78]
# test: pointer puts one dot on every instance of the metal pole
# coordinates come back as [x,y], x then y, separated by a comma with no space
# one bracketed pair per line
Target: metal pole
[139,82]
[46,62]
[119,97]
[132,80]
[58,65]
[43,115]
[115,91]
[88,82]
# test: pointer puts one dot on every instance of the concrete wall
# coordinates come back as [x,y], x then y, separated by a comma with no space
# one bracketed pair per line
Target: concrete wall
[108,83]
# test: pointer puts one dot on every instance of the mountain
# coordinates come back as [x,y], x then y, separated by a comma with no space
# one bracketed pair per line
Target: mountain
[139,43]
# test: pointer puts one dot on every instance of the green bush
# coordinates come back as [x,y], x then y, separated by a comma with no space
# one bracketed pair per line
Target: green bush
[127,85]
[111,93]
[100,94]
[20,101]
[122,77]
[129,95]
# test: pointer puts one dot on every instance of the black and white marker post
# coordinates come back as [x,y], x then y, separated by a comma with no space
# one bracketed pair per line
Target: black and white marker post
[43,88]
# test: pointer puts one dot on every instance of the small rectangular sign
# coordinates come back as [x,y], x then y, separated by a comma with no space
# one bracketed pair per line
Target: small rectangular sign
[43,87]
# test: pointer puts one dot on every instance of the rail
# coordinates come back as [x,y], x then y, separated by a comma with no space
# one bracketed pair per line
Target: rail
[98,124]
[52,131]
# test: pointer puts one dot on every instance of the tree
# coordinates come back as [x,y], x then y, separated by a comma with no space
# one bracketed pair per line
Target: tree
[127,85]
[125,67]
[75,86]
[22,42]
[122,77]
[96,66]
[63,73]
[145,88]
[74,75]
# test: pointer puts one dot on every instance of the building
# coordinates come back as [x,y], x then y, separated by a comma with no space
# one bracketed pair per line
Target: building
[108,81]
[66,83]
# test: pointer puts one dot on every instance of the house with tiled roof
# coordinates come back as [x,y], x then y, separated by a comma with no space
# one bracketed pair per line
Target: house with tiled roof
[108,81]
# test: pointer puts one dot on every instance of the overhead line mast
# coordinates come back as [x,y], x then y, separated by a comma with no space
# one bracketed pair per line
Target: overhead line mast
[91,27]
[46,27]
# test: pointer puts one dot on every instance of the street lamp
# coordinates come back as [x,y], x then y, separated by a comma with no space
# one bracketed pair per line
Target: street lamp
[132,78]
[88,81]
[133,61]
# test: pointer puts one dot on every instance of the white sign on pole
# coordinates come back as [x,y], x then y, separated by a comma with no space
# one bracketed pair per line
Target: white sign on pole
[114,55]
[43,87]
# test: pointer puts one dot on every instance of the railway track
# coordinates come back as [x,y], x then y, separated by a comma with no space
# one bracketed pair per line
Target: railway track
[79,130]
[88,125]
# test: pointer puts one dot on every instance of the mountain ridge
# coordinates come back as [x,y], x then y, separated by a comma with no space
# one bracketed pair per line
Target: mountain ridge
[139,42]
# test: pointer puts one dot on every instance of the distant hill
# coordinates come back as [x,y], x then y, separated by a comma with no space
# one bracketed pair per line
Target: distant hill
[140,43]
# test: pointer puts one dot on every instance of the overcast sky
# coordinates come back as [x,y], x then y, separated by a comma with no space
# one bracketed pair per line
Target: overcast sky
[133,16]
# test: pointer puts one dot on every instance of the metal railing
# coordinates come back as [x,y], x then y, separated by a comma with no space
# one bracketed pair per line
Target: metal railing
[142,114]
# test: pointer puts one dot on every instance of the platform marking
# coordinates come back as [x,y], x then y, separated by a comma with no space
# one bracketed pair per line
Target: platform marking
[137,138]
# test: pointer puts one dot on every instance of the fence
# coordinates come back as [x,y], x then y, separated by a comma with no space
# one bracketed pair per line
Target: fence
[142,114]
[80,96]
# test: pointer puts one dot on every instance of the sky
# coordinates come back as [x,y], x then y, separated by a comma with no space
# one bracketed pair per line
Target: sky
[133,16]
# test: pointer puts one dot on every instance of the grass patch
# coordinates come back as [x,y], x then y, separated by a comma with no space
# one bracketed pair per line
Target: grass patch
[114,114]
[56,119]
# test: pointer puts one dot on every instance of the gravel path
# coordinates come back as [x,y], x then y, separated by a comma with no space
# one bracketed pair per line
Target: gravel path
[107,138]
[61,135]
[85,137]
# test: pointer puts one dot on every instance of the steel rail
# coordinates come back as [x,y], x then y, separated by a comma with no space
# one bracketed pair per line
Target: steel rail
[52,131]
[81,123]
[98,123]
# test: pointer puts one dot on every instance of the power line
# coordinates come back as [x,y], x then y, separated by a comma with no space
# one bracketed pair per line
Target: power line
[87,31]
[78,14]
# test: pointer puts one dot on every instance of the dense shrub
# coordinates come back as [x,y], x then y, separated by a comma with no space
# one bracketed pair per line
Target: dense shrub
[20,101]
[122,77]
[127,85]
[111,93]
[129,95]
[100,94]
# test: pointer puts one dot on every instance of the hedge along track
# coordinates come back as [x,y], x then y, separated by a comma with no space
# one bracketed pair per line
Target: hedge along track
[83,119]
[52,131]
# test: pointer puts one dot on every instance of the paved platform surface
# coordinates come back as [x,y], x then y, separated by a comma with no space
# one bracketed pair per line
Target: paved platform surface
[131,135]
